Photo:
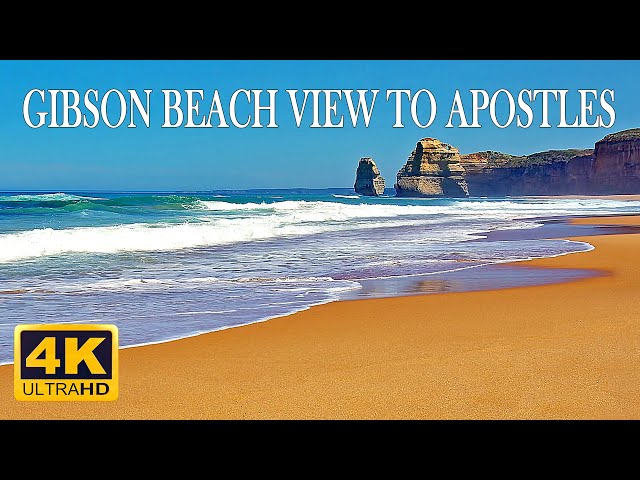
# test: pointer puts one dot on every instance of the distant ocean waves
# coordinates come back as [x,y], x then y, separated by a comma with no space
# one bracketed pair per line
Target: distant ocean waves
[169,265]
[175,222]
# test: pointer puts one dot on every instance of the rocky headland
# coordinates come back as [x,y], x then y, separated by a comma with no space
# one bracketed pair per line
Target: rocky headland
[612,167]
[436,169]
[616,163]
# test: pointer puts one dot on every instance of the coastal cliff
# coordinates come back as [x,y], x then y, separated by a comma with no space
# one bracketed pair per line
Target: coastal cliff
[436,169]
[368,182]
[616,167]
[613,167]
[554,172]
[432,170]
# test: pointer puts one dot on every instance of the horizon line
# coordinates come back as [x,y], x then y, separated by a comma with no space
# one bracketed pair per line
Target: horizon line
[173,191]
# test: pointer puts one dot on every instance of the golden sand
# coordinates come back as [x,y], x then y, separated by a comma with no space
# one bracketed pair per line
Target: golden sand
[562,351]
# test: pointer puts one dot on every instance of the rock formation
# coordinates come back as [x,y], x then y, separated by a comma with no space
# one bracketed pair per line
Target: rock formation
[436,169]
[616,168]
[368,179]
[555,172]
[613,167]
[432,170]
[368,182]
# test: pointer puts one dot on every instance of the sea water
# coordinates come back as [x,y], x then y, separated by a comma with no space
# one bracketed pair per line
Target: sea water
[163,266]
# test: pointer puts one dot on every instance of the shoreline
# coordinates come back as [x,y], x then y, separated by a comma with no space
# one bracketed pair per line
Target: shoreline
[511,267]
[304,365]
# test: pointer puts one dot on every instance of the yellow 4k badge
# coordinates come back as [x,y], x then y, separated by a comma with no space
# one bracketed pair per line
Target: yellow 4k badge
[66,362]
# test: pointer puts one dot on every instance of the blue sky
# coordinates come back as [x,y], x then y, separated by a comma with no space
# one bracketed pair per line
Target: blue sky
[156,158]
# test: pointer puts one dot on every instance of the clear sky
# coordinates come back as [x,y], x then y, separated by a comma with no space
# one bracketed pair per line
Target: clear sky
[156,158]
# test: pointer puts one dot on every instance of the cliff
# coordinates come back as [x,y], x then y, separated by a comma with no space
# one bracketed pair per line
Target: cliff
[613,167]
[432,170]
[554,172]
[616,168]
[368,180]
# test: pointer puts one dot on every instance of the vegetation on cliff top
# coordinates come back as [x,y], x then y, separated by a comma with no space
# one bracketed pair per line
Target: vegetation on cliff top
[550,156]
[631,134]
[504,160]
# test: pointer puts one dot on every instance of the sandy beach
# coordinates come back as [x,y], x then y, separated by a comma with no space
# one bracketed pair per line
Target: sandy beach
[561,351]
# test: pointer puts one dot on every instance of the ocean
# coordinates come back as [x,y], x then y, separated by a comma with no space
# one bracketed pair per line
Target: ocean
[163,266]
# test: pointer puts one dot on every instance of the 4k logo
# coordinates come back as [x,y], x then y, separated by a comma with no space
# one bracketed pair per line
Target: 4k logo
[66,362]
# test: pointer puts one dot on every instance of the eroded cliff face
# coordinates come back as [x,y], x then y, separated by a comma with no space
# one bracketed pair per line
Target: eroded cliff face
[436,169]
[432,170]
[616,168]
[560,173]
[613,167]
[368,182]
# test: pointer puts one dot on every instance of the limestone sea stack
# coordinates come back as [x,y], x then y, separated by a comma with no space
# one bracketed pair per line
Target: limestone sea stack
[368,179]
[432,170]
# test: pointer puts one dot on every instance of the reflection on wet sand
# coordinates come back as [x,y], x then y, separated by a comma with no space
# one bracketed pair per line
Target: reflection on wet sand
[406,286]
[433,286]
[487,277]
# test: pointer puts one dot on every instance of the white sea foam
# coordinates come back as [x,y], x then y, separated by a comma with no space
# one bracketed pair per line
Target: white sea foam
[46,197]
[260,221]
[504,209]
[155,284]
[234,286]
[205,312]
[550,206]
[143,237]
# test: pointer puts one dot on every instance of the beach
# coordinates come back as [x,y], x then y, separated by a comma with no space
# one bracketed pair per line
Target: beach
[560,351]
